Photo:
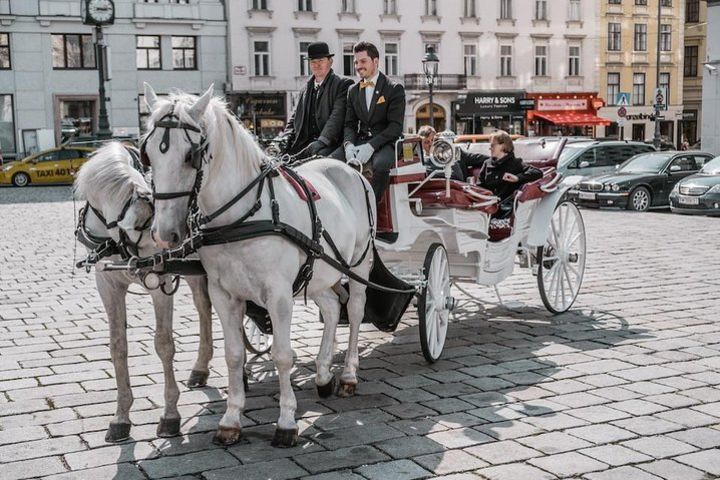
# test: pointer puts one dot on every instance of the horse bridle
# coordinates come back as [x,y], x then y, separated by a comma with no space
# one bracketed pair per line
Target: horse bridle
[125,246]
[194,157]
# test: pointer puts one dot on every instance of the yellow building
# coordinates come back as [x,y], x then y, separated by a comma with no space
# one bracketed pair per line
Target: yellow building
[694,58]
[629,31]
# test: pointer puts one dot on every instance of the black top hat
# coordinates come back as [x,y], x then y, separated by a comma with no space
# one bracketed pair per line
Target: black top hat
[319,50]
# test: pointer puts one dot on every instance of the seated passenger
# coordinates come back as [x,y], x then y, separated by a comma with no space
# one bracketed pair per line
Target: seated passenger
[468,161]
[504,174]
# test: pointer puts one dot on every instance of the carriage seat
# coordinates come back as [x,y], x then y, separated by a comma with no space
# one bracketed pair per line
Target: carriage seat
[433,195]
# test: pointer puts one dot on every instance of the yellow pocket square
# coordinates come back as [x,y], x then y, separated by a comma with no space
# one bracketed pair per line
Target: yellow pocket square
[381,100]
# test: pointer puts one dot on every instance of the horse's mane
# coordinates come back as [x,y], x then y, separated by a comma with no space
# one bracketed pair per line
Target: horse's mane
[223,130]
[109,174]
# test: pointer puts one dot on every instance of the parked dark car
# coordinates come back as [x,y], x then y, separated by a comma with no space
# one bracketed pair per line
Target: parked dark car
[699,193]
[642,182]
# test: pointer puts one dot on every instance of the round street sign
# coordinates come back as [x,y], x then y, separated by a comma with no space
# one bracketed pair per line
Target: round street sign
[622,111]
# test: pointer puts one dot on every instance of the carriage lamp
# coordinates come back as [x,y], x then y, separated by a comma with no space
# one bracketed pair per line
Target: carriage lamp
[430,63]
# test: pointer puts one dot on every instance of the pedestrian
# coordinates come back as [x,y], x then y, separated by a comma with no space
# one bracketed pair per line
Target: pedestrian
[316,125]
[374,118]
[684,145]
[468,161]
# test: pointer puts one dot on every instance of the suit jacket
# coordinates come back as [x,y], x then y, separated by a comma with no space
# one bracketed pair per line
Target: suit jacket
[383,123]
[329,113]
[492,171]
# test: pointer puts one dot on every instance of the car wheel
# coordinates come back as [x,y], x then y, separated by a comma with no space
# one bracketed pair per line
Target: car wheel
[640,199]
[20,179]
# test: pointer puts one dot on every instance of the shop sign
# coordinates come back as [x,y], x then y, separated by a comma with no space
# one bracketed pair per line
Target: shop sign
[527,104]
[641,116]
[260,105]
[565,104]
[491,102]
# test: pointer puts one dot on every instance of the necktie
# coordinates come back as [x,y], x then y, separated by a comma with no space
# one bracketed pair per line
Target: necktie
[365,84]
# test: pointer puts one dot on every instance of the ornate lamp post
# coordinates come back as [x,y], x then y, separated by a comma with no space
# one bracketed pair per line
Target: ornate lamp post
[430,63]
[99,13]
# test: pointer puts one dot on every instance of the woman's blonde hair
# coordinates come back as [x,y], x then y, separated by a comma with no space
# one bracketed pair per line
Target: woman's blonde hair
[503,138]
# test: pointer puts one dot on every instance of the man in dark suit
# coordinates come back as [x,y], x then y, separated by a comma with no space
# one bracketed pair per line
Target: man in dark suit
[316,125]
[373,119]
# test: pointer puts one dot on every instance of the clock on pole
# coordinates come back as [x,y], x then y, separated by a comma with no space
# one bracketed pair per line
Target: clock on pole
[98,12]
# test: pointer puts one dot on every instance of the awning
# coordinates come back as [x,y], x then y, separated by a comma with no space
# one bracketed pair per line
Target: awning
[573,118]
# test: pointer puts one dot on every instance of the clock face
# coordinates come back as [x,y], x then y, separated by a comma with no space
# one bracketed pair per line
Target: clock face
[101,11]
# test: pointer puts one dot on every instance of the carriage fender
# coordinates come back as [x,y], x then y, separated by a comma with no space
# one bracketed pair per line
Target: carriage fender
[540,223]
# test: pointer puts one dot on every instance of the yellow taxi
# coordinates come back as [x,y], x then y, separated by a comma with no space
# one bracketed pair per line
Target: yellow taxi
[57,165]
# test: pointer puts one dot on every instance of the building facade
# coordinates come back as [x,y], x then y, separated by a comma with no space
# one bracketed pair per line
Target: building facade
[503,48]
[630,31]
[48,76]
[711,82]
[695,54]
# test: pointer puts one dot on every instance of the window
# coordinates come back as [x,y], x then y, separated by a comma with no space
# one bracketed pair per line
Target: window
[304,65]
[692,11]
[666,3]
[348,6]
[665,83]
[691,61]
[391,59]
[614,37]
[506,9]
[348,59]
[574,60]
[431,8]
[615,2]
[470,59]
[4,51]
[638,95]
[640,43]
[640,2]
[305,6]
[613,87]
[259,4]
[574,11]
[665,38]
[390,7]
[183,2]
[469,10]
[147,52]
[184,53]
[540,9]
[262,58]
[540,60]
[506,60]
[72,51]
[7,125]
[609,156]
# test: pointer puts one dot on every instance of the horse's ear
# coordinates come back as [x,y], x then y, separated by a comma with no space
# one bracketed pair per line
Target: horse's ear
[150,96]
[198,110]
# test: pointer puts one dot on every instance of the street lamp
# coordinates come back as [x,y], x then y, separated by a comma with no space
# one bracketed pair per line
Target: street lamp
[656,137]
[430,66]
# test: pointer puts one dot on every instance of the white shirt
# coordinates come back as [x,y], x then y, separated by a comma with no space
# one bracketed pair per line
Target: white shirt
[370,91]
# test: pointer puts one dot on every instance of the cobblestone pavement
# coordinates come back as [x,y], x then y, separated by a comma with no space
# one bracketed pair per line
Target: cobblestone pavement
[625,386]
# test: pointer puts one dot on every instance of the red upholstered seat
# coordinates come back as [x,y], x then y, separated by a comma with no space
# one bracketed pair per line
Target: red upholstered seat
[433,194]
[531,191]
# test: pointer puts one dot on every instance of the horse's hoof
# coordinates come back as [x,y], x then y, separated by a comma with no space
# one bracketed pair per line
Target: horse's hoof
[168,427]
[198,379]
[117,432]
[285,438]
[326,390]
[346,389]
[226,436]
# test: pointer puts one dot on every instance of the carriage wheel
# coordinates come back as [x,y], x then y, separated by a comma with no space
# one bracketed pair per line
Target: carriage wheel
[561,261]
[434,303]
[255,340]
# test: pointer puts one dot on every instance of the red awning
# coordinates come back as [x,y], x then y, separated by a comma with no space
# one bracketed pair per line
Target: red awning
[573,118]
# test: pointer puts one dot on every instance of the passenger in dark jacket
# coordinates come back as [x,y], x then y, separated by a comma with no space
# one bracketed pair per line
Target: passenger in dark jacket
[316,126]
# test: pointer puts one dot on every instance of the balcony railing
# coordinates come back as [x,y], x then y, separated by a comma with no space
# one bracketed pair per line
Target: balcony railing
[444,81]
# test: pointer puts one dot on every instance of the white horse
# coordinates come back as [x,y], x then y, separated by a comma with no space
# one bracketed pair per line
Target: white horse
[121,200]
[261,269]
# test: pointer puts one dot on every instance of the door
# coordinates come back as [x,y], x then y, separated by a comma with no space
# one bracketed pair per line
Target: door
[680,167]
[638,132]
[44,167]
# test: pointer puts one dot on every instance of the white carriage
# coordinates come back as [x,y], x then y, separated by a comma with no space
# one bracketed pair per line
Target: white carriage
[433,231]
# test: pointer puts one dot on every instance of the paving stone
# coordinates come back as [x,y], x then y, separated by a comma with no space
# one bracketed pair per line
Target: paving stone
[122,471]
[687,417]
[615,455]
[554,421]
[277,470]
[622,473]
[496,414]
[637,407]
[363,435]
[448,405]
[40,448]
[339,459]
[22,434]
[396,469]
[452,461]
[601,433]
[339,475]
[333,421]
[502,452]
[409,410]
[508,430]
[647,425]
[707,460]
[459,438]
[554,442]
[97,457]
[659,446]
[37,467]
[568,464]
[410,446]
[514,472]
[670,470]
[598,414]
[186,464]
[699,437]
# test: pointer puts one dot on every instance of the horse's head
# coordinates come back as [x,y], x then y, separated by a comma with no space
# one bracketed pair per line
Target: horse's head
[175,147]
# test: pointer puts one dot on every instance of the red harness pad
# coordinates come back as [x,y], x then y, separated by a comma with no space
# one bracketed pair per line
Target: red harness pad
[299,188]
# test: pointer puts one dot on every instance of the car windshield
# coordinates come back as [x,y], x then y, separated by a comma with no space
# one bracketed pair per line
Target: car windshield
[645,163]
[569,152]
[712,167]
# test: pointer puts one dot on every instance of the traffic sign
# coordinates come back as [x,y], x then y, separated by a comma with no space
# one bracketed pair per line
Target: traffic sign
[622,99]
[622,111]
[660,97]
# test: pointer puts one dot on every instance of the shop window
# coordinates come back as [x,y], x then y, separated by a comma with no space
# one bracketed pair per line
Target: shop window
[7,125]
[73,52]
[77,118]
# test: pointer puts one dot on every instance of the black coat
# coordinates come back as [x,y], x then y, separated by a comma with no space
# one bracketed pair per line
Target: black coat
[493,170]
[329,113]
[383,123]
